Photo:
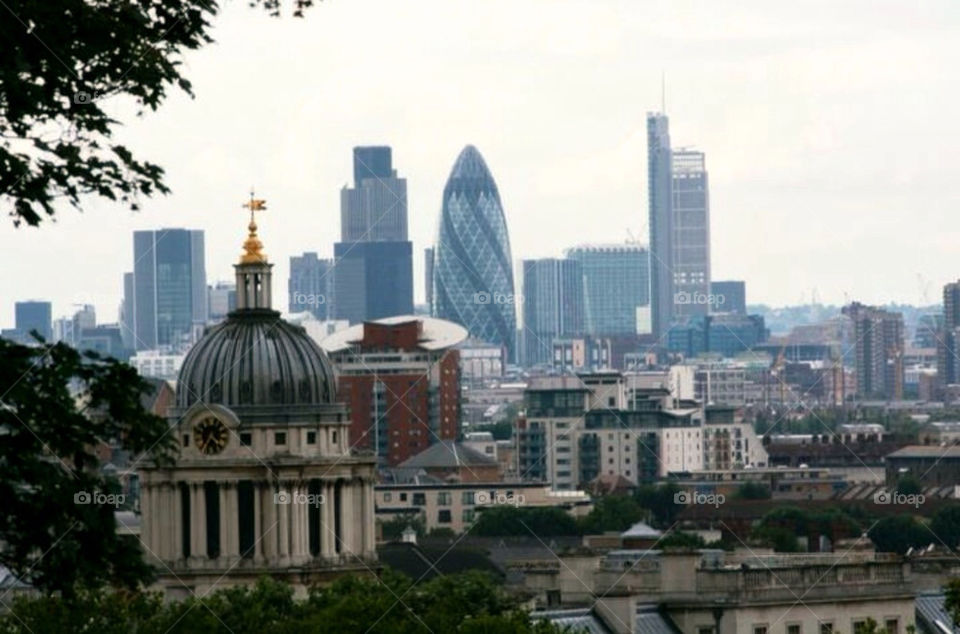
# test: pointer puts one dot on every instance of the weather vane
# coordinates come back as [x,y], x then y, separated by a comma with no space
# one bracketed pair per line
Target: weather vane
[253,248]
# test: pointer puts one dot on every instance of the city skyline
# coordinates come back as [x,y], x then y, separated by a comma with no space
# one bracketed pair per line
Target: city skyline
[553,172]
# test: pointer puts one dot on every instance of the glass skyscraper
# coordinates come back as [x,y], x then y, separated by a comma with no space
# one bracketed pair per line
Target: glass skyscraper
[169,286]
[616,282]
[552,306]
[659,190]
[34,316]
[310,287]
[472,264]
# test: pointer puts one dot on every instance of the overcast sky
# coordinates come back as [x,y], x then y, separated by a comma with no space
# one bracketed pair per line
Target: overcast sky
[830,128]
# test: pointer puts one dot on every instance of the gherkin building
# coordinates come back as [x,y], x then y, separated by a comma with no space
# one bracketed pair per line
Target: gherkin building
[472,266]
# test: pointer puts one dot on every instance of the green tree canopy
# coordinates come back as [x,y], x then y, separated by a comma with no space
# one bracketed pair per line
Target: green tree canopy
[57,528]
[612,513]
[945,526]
[899,533]
[503,521]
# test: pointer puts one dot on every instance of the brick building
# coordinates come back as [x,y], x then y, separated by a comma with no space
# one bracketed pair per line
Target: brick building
[400,377]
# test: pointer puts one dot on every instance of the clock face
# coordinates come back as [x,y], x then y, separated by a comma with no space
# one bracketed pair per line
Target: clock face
[210,435]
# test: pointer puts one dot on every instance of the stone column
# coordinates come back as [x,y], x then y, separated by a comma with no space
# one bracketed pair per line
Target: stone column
[163,524]
[369,519]
[348,523]
[223,492]
[199,521]
[326,520]
[283,524]
[257,522]
[177,523]
[269,523]
[146,517]
[232,519]
[298,518]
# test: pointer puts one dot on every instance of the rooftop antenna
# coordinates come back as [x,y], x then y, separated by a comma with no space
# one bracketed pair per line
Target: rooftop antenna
[663,92]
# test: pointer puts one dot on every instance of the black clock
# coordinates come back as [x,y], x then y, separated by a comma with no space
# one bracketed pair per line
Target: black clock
[210,435]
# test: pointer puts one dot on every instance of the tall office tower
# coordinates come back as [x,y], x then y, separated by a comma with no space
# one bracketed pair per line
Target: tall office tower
[375,208]
[169,286]
[729,296]
[660,197]
[472,265]
[34,315]
[127,326]
[373,271]
[948,342]
[679,207]
[310,287]
[879,351]
[691,234]
[616,282]
[552,306]
[428,274]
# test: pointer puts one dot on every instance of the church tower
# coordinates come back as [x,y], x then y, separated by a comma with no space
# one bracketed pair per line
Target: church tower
[264,481]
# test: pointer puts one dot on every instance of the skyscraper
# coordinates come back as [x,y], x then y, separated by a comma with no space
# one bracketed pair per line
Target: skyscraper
[472,265]
[552,306]
[169,286]
[679,207]
[310,287]
[428,274]
[616,279]
[948,340]
[730,297]
[691,234]
[34,315]
[373,262]
[879,351]
[660,196]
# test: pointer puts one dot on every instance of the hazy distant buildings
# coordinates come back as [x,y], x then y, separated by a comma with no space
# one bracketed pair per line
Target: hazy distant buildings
[373,262]
[726,334]
[730,296]
[472,266]
[221,300]
[616,283]
[679,220]
[948,340]
[552,306]
[169,287]
[428,275]
[33,316]
[310,287]
[879,351]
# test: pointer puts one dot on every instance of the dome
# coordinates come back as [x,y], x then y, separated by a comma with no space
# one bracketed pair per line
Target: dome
[255,358]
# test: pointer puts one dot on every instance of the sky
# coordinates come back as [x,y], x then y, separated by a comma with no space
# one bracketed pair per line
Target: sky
[830,131]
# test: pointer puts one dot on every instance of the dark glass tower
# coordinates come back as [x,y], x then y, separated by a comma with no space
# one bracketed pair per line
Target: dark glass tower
[553,306]
[659,186]
[472,265]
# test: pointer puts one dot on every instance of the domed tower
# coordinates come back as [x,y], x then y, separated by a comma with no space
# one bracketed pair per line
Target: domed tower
[265,481]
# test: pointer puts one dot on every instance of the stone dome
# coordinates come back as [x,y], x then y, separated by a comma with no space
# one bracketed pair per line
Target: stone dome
[255,358]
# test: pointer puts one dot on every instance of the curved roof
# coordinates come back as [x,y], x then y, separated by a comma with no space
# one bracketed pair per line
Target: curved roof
[255,358]
[438,334]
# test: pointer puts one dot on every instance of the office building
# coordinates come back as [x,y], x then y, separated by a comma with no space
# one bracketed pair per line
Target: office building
[472,264]
[373,262]
[948,337]
[33,316]
[221,300]
[729,296]
[616,283]
[401,379]
[169,287]
[310,287]
[552,306]
[879,351]
[725,334]
[428,275]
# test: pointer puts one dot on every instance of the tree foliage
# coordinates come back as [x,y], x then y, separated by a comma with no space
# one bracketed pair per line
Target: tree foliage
[612,513]
[945,525]
[56,406]
[660,500]
[752,491]
[503,521]
[899,533]
[462,603]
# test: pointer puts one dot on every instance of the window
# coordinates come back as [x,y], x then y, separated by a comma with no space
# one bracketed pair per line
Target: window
[333,437]
[311,437]
[387,496]
[280,438]
[892,626]
[403,497]
[443,516]
[444,498]
[826,628]
[793,628]
[468,498]
[419,499]
[186,440]
[468,515]
[246,439]
[759,629]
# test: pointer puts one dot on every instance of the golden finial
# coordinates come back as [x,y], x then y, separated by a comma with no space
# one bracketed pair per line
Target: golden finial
[253,248]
